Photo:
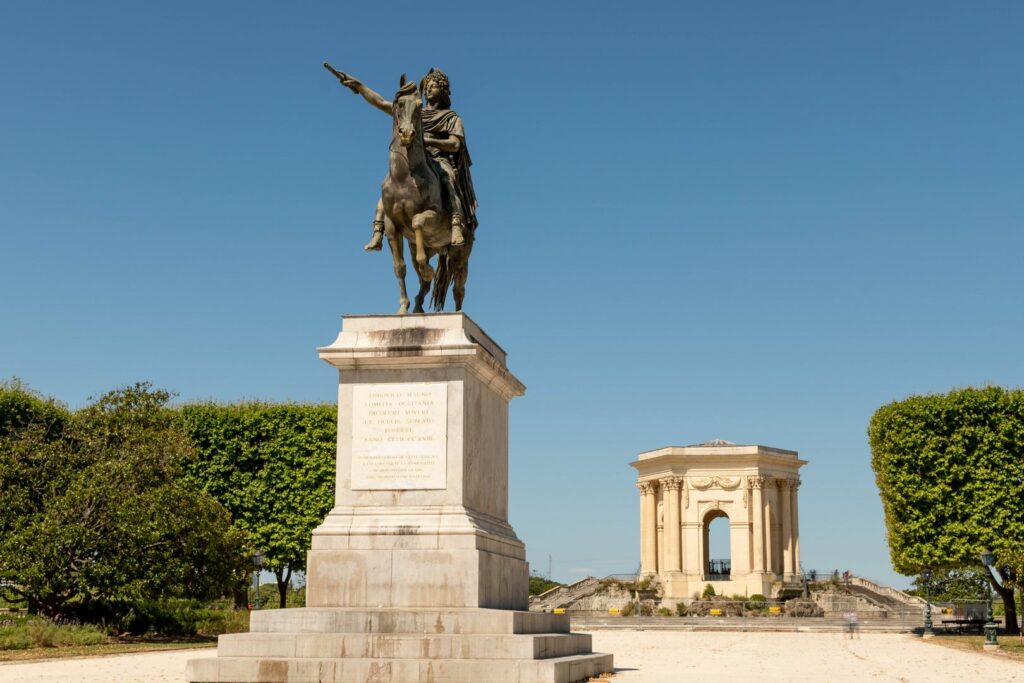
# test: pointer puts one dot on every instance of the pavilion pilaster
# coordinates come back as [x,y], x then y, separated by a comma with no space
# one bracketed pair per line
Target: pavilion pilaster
[786,540]
[673,547]
[795,485]
[757,516]
[648,528]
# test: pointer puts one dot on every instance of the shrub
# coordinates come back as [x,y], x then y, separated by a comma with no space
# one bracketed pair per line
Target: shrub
[215,622]
[22,634]
[629,609]
[646,609]
[94,513]
[681,609]
[664,612]
[709,592]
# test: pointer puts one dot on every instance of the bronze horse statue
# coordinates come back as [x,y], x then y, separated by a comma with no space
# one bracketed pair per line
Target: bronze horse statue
[414,210]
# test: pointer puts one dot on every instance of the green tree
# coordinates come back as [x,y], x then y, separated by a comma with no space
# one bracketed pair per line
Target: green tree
[948,585]
[98,520]
[272,466]
[950,472]
[540,584]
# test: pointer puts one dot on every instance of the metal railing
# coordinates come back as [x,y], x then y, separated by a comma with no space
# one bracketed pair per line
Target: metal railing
[718,570]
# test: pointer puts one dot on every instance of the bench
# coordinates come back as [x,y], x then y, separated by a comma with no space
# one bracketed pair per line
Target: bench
[964,625]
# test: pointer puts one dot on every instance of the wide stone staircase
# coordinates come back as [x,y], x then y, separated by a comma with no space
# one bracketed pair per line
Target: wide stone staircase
[564,596]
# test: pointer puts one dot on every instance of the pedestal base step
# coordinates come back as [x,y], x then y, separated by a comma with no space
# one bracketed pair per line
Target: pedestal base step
[570,669]
[411,621]
[438,645]
[403,646]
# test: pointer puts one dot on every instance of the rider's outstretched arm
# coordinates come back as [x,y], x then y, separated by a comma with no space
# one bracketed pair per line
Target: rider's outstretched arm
[375,99]
[357,86]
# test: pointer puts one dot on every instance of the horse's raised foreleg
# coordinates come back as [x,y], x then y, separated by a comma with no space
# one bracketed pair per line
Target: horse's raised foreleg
[421,295]
[398,258]
[421,222]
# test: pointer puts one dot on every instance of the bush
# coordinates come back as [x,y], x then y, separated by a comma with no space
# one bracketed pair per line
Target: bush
[664,612]
[94,513]
[215,622]
[680,609]
[21,634]
[709,592]
[646,609]
[629,609]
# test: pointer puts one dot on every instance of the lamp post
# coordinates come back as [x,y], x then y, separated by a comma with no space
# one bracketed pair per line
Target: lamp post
[257,566]
[988,559]
[928,632]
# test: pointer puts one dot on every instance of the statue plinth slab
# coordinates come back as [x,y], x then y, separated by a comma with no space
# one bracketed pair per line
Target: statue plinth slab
[421,510]
[415,574]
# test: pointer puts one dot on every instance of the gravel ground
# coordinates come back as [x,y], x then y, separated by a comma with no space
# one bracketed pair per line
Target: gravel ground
[658,656]
[650,657]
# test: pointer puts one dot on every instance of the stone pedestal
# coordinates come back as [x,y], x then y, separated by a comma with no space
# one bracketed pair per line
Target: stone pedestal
[416,573]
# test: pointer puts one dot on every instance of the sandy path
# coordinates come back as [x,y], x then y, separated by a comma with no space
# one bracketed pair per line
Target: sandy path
[656,657]
[146,667]
[650,657]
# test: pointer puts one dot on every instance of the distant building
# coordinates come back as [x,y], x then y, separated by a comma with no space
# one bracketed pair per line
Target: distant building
[684,488]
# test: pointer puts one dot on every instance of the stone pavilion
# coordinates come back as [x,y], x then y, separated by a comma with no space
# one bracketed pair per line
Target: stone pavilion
[683,489]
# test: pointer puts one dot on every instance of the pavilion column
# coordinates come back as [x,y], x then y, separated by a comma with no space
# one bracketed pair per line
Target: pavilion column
[770,536]
[673,547]
[785,512]
[648,528]
[757,519]
[795,484]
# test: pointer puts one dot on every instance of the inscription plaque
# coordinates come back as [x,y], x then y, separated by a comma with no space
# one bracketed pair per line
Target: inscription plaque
[400,436]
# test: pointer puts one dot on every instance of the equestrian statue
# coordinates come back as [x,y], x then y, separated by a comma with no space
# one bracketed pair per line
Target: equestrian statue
[427,198]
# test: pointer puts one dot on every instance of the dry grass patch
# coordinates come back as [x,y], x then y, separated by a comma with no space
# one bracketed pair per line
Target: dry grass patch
[1010,647]
[115,648]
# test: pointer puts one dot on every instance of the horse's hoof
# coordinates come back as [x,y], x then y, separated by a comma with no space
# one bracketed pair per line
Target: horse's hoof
[403,310]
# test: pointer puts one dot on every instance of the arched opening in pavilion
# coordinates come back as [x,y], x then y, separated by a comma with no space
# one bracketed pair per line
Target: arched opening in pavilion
[717,547]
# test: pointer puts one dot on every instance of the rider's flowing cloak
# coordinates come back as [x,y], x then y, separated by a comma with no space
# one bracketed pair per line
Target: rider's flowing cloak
[442,123]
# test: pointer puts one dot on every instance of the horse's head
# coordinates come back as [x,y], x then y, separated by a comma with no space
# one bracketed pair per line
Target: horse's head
[406,109]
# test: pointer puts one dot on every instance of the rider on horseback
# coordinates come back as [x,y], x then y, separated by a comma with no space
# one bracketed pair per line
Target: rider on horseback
[445,140]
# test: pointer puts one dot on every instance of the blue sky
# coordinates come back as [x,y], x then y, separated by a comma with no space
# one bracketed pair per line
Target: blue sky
[749,221]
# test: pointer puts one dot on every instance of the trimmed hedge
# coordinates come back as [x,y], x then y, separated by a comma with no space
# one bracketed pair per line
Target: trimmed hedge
[272,466]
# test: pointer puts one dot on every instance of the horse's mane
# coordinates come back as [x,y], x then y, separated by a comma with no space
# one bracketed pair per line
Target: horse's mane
[409,88]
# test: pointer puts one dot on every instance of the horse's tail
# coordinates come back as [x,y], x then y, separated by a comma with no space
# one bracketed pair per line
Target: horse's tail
[442,280]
